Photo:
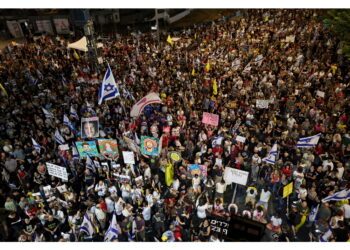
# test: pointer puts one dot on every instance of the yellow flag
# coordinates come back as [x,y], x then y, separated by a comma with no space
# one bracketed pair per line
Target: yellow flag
[215,87]
[3,90]
[169,40]
[207,67]
[195,36]
[193,72]
[169,174]
[75,54]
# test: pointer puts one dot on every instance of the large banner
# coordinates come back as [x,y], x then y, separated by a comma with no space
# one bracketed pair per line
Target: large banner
[89,127]
[108,147]
[61,25]
[262,104]
[149,145]
[87,148]
[57,171]
[210,119]
[140,105]
[14,28]
[233,175]
[44,26]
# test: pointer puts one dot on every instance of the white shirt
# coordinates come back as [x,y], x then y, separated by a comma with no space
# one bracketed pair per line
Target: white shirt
[346,208]
[112,190]
[276,222]
[147,173]
[110,204]
[176,184]
[100,189]
[265,196]
[146,212]
[220,188]
[201,211]
[119,206]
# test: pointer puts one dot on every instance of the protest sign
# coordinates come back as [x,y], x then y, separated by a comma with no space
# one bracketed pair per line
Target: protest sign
[240,138]
[232,175]
[108,147]
[105,167]
[125,179]
[128,157]
[62,189]
[262,104]
[57,171]
[89,127]
[320,93]
[63,147]
[218,225]
[210,119]
[175,156]
[287,189]
[86,148]
[200,170]
[149,145]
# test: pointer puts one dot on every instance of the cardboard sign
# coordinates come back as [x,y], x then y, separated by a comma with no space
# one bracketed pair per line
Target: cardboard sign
[62,189]
[149,145]
[128,157]
[63,147]
[210,119]
[287,189]
[175,156]
[57,171]
[232,175]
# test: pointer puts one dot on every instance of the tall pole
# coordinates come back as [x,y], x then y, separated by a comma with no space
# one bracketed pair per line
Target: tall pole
[234,193]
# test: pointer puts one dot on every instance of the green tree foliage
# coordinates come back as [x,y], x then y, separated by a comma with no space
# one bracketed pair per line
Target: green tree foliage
[339,22]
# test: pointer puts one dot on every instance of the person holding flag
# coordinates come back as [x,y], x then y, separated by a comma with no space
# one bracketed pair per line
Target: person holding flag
[113,229]
[109,89]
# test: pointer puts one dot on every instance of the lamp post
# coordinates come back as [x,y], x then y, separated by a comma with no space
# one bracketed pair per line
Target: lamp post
[92,51]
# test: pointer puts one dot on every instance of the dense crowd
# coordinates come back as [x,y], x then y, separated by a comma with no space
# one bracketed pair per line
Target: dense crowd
[292,75]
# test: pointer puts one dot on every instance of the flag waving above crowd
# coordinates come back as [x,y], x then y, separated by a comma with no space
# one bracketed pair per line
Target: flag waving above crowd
[109,89]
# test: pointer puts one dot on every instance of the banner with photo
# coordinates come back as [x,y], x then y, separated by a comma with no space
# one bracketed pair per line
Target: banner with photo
[44,26]
[149,145]
[108,147]
[61,25]
[201,170]
[86,148]
[89,127]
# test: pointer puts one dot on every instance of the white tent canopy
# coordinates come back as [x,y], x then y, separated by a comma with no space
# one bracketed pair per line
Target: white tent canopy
[79,45]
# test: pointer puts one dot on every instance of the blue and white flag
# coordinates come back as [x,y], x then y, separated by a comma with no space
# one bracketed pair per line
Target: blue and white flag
[58,137]
[308,141]
[109,88]
[313,213]
[236,63]
[112,231]
[68,123]
[75,152]
[64,81]
[217,141]
[73,112]
[259,59]
[48,113]
[36,146]
[271,156]
[342,195]
[90,164]
[247,68]
[86,226]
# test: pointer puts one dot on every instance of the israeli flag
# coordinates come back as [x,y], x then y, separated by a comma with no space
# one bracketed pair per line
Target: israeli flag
[342,195]
[75,153]
[271,156]
[259,59]
[58,137]
[64,81]
[308,141]
[217,141]
[48,113]
[90,164]
[68,123]
[247,68]
[112,231]
[313,213]
[236,63]
[73,112]
[109,89]
[36,145]
[86,226]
